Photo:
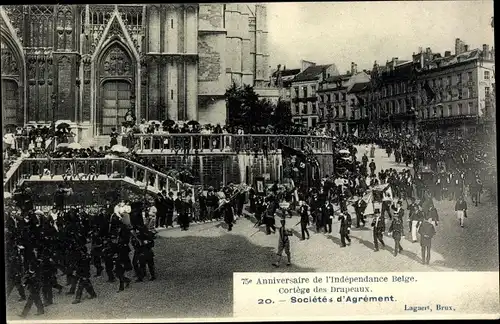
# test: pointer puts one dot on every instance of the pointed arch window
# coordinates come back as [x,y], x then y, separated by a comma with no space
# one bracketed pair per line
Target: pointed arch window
[41,26]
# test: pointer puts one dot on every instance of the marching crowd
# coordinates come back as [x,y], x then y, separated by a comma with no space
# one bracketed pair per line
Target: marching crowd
[69,240]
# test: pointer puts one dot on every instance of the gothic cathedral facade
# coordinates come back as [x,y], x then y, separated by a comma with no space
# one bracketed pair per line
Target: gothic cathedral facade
[90,64]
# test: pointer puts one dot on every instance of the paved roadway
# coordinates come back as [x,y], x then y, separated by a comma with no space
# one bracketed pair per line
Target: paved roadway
[195,267]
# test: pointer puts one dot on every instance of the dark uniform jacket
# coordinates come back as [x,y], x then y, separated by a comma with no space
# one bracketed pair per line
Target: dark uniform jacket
[304,214]
[326,213]
[345,223]
[396,228]
[427,231]
[169,205]
[461,205]
[380,226]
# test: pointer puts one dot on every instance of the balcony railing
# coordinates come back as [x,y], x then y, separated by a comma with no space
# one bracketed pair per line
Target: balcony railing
[112,168]
[225,143]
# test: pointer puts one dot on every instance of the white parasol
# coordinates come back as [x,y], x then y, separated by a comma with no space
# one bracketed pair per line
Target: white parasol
[75,146]
[119,148]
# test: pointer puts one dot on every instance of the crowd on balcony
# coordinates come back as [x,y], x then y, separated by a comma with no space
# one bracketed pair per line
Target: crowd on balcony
[20,142]
[31,141]
[131,126]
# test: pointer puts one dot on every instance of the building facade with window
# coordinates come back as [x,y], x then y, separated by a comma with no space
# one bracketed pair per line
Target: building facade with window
[456,90]
[282,80]
[90,64]
[392,97]
[304,103]
[336,103]
[356,97]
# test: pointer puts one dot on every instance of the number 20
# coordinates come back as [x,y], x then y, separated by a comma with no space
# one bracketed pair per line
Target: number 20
[264,301]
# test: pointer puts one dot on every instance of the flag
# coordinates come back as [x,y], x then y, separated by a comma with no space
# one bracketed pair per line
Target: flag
[369,209]
[388,194]
[361,101]
[288,151]
[429,91]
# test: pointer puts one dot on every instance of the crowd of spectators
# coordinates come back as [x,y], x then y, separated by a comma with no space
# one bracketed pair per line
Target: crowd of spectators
[171,127]
[32,141]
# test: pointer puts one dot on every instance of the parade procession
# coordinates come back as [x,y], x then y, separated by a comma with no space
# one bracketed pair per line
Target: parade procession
[137,179]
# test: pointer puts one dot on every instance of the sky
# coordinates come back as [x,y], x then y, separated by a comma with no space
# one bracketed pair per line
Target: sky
[362,32]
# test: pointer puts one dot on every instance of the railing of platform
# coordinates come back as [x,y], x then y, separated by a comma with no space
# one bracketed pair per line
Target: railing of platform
[22,142]
[77,168]
[225,142]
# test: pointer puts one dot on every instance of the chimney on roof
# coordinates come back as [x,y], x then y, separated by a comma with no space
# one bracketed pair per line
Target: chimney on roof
[353,68]
[447,53]
[428,50]
[394,62]
[486,51]
[459,46]
[466,48]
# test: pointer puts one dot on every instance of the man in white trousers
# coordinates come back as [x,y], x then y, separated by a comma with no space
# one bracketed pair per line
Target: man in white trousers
[417,218]
[461,210]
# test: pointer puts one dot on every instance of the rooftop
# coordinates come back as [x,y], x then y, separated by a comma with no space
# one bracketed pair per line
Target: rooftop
[336,78]
[311,73]
[454,59]
[286,72]
[358,87]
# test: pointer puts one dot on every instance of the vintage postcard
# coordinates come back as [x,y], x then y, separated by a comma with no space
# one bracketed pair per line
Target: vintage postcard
[187,162]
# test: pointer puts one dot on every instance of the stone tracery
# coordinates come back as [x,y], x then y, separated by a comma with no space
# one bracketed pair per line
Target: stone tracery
[116,62]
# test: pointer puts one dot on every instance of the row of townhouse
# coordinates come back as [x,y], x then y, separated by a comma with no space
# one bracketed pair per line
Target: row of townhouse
[442,93]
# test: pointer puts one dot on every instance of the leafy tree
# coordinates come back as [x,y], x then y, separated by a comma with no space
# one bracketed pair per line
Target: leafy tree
[245,108]
[240,103]
[282,116]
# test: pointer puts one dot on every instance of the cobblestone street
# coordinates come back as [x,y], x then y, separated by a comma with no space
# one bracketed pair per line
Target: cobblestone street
[195,267]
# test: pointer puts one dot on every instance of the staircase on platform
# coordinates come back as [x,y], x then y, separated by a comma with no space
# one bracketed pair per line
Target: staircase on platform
[106,169]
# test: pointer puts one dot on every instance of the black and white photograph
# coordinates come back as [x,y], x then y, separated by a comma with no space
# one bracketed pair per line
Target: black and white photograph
[152,150]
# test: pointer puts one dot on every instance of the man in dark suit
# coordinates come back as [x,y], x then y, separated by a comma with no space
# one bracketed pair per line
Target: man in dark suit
[326,217]
[359,208]
[316,207]
[397,230]
[14,267]
[427,232]
[169,209]
[345,228]
[378,225]
[372,167]
[304,212]
[178,204]
[33,285]
[160,205]
[211,202]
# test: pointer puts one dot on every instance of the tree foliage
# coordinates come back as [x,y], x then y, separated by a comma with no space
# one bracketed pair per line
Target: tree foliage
[245,108]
